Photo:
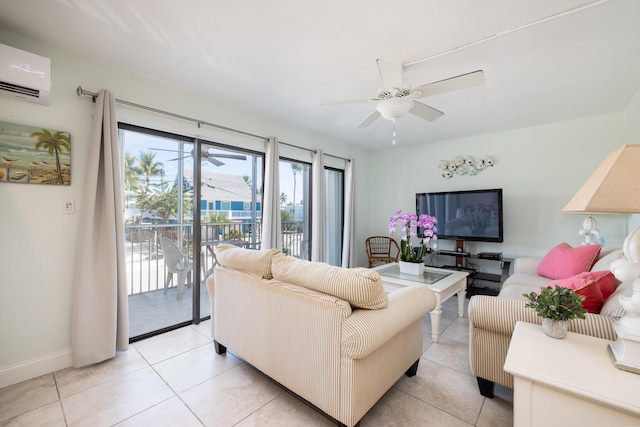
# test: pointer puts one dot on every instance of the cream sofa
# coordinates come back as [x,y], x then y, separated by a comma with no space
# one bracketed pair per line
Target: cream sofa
[492,319]
[330,335]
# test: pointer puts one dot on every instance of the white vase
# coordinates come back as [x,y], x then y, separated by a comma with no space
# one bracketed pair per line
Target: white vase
[557,329]
[415,268]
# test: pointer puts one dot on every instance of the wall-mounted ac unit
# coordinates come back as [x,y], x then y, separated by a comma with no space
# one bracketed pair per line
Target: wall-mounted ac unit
[24,75]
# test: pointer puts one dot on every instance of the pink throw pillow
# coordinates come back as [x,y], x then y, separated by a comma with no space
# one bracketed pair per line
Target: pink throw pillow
[563,261]
[605,281]
[596,287]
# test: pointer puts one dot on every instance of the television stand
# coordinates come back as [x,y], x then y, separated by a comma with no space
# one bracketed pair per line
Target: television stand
[453,253]
[461,256]
[472,272]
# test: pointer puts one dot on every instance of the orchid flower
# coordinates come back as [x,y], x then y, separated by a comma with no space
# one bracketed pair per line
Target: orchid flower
[409,224]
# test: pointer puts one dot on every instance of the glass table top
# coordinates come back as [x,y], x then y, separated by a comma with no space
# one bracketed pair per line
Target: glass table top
[429,277]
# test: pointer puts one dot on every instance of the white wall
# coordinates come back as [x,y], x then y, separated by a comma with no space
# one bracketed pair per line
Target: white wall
[632,122]
[539,169]
[39,242]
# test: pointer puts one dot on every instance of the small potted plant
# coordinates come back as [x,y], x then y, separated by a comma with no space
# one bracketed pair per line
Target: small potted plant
[411,258]
[556,306]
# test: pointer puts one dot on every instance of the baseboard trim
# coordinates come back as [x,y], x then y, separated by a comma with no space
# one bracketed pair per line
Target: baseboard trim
[34,368]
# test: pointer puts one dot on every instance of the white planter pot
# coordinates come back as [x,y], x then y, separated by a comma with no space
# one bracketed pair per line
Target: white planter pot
[415,268]
[555,329]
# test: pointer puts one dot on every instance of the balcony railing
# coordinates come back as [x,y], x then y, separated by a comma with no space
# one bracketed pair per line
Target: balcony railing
[146,270]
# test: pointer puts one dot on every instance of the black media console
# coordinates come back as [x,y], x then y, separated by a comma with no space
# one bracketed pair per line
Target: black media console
[461,256]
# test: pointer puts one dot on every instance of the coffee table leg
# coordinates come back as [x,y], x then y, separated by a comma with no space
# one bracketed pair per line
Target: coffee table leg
[435,322]
[461,297]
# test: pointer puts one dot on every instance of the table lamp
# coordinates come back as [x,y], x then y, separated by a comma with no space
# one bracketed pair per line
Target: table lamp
[615,188]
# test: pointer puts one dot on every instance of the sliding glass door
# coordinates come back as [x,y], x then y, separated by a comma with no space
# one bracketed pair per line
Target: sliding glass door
[230,200]
[295,198]
[333,215]
[168,258]
[182,197]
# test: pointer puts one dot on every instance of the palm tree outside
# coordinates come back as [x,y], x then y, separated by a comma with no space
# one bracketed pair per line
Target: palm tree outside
[296,168]
[148,166]
[131,177]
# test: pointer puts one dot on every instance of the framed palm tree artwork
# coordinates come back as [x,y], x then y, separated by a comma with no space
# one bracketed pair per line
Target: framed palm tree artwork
[33,155]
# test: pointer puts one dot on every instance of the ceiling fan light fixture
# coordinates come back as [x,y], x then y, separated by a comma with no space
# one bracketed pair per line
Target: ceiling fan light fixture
[394,108]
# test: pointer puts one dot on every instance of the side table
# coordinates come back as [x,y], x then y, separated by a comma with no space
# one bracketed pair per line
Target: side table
[568,382]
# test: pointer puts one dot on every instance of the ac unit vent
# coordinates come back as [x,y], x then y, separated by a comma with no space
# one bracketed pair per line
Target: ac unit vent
[24,75]
[19,90]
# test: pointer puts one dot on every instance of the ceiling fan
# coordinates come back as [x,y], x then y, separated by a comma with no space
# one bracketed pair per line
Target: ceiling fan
[209,156]
[396,98]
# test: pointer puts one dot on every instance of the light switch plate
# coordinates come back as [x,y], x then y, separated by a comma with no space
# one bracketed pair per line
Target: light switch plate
[68,206]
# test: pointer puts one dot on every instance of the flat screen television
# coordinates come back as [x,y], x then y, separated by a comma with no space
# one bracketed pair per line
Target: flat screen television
[474,215]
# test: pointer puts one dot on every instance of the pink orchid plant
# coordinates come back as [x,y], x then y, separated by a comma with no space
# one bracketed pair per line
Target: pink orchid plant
[409,224]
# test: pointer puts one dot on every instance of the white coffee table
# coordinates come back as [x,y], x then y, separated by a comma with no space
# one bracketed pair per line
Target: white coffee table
[443,283]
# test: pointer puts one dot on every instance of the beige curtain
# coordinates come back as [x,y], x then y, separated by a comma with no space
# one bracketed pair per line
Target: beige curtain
[271,221]
[318,251]
[349,235]
[100,323]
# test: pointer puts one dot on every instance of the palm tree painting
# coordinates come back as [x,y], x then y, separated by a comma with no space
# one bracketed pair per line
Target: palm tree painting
[34,155]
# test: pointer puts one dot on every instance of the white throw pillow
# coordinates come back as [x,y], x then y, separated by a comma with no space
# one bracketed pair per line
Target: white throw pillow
[606,258]
[256,262]
[360,287]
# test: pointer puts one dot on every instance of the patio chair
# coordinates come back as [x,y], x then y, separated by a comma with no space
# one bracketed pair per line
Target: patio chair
[176,263]
[381,249]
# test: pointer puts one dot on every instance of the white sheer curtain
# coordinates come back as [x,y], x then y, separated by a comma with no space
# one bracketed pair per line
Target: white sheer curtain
[348,244]
[100,323]
[318,214]
[271,221]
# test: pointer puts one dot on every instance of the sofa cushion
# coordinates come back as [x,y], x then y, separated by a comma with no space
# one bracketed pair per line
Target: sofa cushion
[593,286]
[607,256]
[360,287]
[563,261]
[612,306]
[525,279]
[252,261]
[517,291]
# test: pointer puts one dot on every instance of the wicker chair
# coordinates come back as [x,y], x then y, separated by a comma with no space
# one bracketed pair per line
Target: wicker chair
[381,249]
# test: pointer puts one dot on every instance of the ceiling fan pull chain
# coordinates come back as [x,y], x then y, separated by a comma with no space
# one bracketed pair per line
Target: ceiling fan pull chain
[394,131]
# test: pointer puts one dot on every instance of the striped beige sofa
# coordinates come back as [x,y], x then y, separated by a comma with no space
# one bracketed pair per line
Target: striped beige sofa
[492,319]
[330,335]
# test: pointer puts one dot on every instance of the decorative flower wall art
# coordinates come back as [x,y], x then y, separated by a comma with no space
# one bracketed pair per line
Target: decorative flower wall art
[465,165]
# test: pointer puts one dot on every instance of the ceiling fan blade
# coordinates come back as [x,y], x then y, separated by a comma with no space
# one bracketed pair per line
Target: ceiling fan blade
[346,101]
[462,81]
[370,119]
[164,149]
[225,156]
[215,161]
[390,73]
[425,112]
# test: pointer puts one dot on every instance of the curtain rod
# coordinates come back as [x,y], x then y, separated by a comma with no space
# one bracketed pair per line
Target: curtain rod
[80,91]
[313,151]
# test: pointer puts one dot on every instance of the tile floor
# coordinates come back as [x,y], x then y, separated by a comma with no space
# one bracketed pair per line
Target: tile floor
[177,379]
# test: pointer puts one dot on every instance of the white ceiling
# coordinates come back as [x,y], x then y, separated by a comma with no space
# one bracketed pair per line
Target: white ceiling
[543,60]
